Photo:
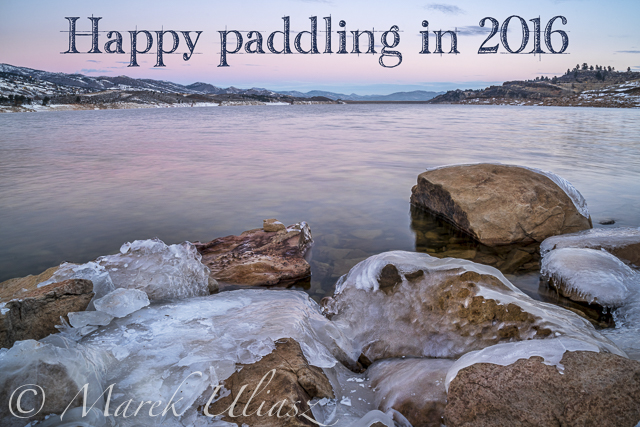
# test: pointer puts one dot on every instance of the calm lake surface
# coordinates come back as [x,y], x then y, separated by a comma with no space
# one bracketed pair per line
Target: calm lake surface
[75,185]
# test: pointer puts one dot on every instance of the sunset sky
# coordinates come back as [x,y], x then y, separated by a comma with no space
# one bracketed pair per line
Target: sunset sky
[33,34]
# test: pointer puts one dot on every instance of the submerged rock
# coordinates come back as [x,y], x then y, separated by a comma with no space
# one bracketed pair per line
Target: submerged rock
[282,375]
[35,314]
[409,304]
[502,204]
[413,387]
[259,257]
[623,242]
[591,388]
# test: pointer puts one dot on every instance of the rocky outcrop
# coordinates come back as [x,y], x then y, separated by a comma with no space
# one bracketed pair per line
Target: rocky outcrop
[502,204]
[259,257]
[16,287]
[288,378]
[595,389]
[413,387]
[36,313]
[399,304]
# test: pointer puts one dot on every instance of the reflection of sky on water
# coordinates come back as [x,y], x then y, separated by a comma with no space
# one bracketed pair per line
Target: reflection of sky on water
[75,185]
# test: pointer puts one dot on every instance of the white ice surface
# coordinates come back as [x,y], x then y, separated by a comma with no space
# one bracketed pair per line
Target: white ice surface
[122,302]
[195,343]
[551,350]
[85,318]
[594,275]
[595,238]
[161,271]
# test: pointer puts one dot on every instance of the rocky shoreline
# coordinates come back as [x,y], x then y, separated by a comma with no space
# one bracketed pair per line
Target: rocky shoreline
[406,338]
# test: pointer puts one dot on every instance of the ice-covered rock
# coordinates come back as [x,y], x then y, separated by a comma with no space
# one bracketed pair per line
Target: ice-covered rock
[122,302]
[543,383]
[410,304]
[413,387]
[36,313]
[260,257]
[590,275]
[502,204]
[192,345]
[288,376]
[161,271]
[102,283]
[623,242]
[58,368]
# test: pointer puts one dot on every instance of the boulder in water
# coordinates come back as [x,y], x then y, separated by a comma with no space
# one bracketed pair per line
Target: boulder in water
[502,204]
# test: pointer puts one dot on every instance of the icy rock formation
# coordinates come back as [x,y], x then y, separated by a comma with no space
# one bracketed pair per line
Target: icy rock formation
[35,314]
[57,367]
[260,257]
[623,242]
[589,275]
[161,271]
[502,204]
[102,283]
[413,387]
[287,374]
[543,383]
[192,345]
[122,302]
[410,304]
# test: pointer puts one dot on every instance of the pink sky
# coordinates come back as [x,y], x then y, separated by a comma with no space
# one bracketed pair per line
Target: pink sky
[33,36]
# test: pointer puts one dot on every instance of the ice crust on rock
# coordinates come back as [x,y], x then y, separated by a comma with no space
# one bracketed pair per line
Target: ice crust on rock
[576,197]
[551,350]
[163,347]
[595,238]
[411,383]
[102,283]
[61,367]
[122,302]
[161,271]
[594,276]
[419,319]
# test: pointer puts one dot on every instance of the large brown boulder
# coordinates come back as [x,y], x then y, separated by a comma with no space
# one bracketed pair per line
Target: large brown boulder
[36,313]
[294,381]
[502,204]
[595,389]
[259,257]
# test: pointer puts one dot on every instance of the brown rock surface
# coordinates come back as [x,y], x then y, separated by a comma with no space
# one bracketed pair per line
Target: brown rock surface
[498,204]
[294,381]
[596,389]
[15,288]
[257,257]
[36,313]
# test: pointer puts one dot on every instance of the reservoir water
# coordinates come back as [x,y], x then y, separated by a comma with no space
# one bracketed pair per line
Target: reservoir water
[75,185]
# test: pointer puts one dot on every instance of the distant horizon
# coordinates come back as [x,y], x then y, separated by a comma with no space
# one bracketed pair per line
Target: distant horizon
[597,35]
